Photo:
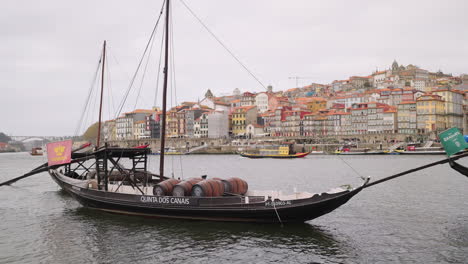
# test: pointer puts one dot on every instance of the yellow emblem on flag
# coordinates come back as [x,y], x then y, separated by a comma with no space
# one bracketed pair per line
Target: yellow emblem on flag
[59,150]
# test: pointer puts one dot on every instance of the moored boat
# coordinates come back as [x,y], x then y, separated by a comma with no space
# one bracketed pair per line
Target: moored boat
[105,184]
[169,151]
[370,152]
[36,152]
[135,195]
[275,156]
[412,150]
[283,151]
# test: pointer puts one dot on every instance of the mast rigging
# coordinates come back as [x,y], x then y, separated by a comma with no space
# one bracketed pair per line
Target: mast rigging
[102,92]
[166,77]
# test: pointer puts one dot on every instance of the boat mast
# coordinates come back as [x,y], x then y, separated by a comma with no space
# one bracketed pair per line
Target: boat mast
[166,75]
[102,92]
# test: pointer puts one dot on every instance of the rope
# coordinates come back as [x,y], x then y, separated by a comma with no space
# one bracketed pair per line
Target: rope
[355,171]
[417,169]
[181,168]
[222,44]
[276,211]
[110,101]
[122,104]
[85,106]
[144,71]
[159,69]
[174,83]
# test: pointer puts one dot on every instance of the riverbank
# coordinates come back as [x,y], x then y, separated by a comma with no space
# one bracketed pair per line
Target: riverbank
[228,146]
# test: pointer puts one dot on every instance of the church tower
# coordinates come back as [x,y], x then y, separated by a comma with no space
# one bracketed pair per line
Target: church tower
[395,67]
[208,94]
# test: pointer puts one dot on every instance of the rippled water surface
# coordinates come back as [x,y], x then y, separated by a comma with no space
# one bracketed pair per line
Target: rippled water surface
[420,218]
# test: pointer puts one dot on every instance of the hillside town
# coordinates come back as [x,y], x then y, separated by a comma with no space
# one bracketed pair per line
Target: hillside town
[407,101]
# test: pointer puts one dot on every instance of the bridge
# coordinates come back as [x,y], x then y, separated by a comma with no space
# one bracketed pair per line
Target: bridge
[37,138]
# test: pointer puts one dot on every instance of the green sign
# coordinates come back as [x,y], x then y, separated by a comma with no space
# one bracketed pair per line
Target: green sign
[453,141]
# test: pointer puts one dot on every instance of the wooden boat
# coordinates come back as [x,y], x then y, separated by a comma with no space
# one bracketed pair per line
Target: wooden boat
[169,151]
[360,152]
[105,184]
[423,152]
[277,156]
[283,151]
[36,152]
[137,198]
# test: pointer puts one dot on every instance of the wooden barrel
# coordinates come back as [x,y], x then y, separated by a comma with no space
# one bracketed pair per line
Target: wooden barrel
[185,188]
[92,184]
[165,187]
[208,188]
[237,185]
[227,185]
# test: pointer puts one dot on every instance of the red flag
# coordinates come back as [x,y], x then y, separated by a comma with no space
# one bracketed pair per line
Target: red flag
[59,152]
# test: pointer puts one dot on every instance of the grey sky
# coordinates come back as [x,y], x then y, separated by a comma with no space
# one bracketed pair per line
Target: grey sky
[49,49]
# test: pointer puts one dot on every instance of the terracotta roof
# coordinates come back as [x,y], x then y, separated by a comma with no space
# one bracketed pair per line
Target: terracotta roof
[407,102]
[139,111]
[221,103]
[291,90]
[379,72]
[244,107]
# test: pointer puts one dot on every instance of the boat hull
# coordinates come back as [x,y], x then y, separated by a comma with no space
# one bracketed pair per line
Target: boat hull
[423,153]
[230,208]
[362,153]
[258,156]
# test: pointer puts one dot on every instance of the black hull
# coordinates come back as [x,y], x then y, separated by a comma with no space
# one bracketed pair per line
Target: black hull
[423,153]
[214,209]
[257,156]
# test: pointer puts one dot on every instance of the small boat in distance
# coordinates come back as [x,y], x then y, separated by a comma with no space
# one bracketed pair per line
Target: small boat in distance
[347,151]
[284,151]
[36,152]
[169,151]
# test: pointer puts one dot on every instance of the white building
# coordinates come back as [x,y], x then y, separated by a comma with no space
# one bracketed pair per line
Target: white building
[124,127]
[261,101]
[214,104]
[139,129]
[379,77]
[218,124]
[254,130]
[200,126]
[419,84]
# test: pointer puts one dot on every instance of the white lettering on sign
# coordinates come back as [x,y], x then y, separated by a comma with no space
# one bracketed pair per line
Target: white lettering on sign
[277,203]
[451,136]
[164,200]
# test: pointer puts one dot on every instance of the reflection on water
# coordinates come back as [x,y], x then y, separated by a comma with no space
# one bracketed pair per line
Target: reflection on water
[178,240]
[422,218]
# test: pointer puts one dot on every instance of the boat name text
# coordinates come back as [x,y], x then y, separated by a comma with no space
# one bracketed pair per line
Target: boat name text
[277,203]
[165,200]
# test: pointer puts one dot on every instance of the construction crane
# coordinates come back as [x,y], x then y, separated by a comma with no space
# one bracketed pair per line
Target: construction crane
[297,78]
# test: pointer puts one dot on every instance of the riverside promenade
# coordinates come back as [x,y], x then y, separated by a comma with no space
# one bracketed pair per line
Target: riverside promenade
[232,146]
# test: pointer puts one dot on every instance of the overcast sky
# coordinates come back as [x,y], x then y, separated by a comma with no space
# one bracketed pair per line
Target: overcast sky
[49,49]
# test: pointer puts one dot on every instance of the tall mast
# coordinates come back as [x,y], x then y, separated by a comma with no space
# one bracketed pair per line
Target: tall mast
[166,77]
[102,92]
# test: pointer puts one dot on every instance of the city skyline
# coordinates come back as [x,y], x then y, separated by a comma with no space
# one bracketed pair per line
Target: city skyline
[50,52]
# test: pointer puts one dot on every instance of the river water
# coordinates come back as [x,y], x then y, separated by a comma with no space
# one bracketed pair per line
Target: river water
[419,218]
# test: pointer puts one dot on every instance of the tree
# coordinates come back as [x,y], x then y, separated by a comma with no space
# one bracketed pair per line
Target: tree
[4,138]
[91,133]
